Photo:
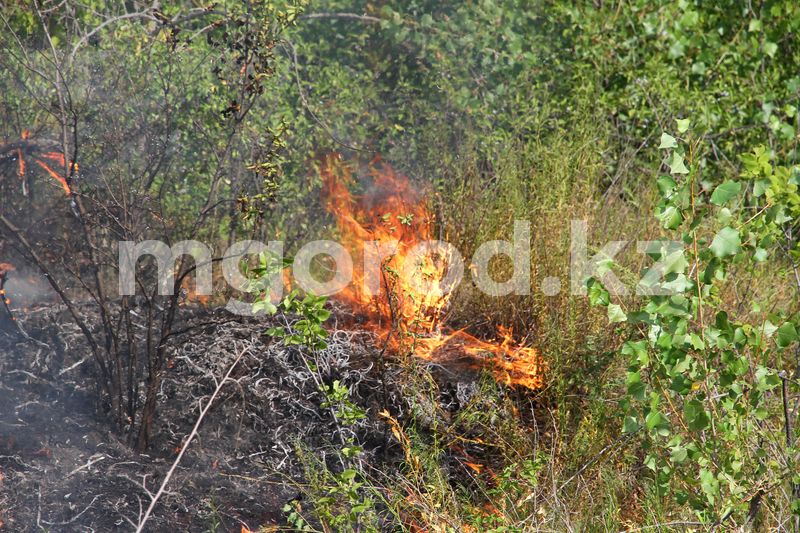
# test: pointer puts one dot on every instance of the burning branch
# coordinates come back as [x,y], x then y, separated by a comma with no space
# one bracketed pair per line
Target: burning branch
[43,153]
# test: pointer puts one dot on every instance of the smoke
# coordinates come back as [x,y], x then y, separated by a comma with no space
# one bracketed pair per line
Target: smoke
[26,287]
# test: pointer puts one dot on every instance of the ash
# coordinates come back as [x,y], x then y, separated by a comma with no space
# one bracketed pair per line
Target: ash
[62,468]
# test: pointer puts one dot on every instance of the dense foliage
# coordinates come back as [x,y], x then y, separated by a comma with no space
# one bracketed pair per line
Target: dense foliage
[208,121]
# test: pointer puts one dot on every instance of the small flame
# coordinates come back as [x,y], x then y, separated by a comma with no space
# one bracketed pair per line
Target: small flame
[189,292]
[56,157]
[5,268]
[406,305]
[56,176]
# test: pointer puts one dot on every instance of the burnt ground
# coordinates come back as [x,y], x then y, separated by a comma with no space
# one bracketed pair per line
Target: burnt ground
[63,469]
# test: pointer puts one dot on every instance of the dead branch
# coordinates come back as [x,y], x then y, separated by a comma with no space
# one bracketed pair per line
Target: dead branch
[154,499]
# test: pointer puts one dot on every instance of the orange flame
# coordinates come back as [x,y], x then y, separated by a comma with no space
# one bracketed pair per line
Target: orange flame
[191,295]
[56,157]
[406,301]
[56,176]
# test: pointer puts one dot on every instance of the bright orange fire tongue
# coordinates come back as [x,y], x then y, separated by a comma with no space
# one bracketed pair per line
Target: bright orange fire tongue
[56,157]
[403,294]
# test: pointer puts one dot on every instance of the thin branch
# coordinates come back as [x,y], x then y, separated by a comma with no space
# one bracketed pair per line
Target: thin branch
[663,525]
[351,16]
[154,499]
[74,518]
[307,107]
[89,35]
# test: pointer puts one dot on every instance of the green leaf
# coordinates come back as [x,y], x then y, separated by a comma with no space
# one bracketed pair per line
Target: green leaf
[769,329]
[766,379]
[676,164]
[637,349]
[275,332]
[667,141]
[770,48]
[709,484]
[616,314]
[636,388]
[604,266]
[726,242]
[787,334]
[656,421]
[699,68]
[651,462]
[696,417]
[675,263]
[630,425]
[597,294]
[710,270]
[671,217]
[683,124]
[725,192]
[666,185]
[760,187]
[697,342]
[679,454]
[264,305]
[676,50]
[724,216]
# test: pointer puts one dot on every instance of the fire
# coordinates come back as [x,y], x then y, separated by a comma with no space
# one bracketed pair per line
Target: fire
[5,268]
[406,304]
[29,149]
[189,293]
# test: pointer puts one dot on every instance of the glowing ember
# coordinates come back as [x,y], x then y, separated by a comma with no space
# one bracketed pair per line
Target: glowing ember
[5,268]
[406,303]
[189,293]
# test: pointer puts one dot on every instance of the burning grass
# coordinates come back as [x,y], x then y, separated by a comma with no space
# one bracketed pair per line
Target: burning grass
[265,439]
[406,304]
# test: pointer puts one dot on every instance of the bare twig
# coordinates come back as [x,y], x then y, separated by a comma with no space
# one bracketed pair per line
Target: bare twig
[663,525]
[307,107]
[74,518]
[351,16]
[92,460]
[154,499]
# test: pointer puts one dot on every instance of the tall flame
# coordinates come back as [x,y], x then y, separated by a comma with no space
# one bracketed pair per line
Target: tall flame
[406,301]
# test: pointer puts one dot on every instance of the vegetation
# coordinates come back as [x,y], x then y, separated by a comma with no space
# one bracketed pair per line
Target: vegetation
[646,119]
